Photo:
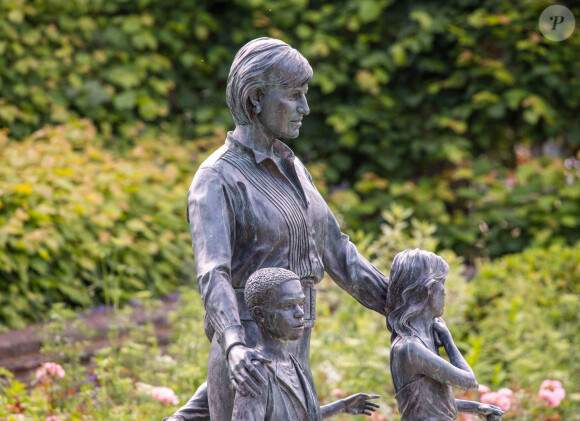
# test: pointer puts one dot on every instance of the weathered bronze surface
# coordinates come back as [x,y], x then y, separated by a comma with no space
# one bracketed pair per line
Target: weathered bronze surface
[275,299]
[421,377]
[252,204]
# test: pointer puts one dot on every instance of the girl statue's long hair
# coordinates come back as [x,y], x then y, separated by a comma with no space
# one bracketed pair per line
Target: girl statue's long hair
[412,274]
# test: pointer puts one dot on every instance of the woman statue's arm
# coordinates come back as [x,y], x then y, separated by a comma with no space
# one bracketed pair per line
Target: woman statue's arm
[351,271]
[211,217]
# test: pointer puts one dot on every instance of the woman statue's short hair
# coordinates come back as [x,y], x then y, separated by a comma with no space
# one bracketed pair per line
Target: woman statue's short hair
[412,274]
[260,63]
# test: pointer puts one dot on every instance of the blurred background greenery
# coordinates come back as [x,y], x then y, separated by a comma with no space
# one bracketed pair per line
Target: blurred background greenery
[447,125]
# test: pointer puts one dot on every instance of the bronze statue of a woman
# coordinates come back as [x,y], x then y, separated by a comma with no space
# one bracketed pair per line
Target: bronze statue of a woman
[252,204]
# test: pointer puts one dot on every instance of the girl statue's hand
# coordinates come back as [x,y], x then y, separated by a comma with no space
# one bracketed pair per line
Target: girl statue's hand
[441,331]
[489,412]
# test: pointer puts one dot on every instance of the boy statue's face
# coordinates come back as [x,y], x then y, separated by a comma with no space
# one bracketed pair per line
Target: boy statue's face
[284,316]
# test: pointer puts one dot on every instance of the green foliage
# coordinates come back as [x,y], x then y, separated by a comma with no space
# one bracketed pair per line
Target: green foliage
[523,318]
[401,91]
[81,224]
[516,322]
[479,209]
[87,225]
[118,381]
[399,88]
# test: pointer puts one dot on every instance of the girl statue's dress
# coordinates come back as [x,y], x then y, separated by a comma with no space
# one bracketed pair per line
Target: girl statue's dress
[425,396]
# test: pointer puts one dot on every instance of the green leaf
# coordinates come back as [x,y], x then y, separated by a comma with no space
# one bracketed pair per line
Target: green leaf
[424,19]
[125,76]
[125,100]
[369,10]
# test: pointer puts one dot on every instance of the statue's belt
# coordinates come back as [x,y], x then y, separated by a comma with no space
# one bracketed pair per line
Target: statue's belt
[309,306]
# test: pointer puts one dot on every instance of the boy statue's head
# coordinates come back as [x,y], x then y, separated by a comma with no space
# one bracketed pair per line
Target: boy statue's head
[275,301]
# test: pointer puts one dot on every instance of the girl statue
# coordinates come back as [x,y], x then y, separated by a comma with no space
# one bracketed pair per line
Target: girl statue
[421,377]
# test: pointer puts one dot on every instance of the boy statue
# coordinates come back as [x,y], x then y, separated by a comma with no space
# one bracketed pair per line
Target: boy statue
[275,300]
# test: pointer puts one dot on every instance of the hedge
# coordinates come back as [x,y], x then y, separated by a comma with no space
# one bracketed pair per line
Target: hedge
[83,225]
[399,88]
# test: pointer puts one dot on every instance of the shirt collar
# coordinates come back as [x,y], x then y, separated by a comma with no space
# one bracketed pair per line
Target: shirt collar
[280,149]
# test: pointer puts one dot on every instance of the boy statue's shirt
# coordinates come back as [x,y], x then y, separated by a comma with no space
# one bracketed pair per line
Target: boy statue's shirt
[289,397]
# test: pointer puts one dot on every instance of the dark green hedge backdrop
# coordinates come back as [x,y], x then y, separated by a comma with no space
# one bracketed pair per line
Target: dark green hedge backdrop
[460,111]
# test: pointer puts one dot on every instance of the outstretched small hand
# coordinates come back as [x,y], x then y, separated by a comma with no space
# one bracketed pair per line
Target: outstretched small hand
[359,404]
[489,412]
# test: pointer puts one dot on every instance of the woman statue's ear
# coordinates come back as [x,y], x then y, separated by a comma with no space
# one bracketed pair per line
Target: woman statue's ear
[255,100]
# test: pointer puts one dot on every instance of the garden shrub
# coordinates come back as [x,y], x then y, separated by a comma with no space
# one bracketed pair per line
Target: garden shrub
[90,224]
[408,101]
[479,208]
[84,225]
[509,341]
[523,318]
[116,383]
[399,88]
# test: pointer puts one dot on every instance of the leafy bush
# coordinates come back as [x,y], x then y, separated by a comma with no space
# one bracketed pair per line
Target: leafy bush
[86,224]
[117,382]
[510,342]
[479,208]
[399,88]
[523,318]
[81,224]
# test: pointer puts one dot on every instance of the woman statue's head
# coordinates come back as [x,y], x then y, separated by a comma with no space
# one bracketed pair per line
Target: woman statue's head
[414,275]
[258,65]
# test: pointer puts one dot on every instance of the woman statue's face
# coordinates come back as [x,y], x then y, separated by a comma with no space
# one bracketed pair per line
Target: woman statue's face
[281,111]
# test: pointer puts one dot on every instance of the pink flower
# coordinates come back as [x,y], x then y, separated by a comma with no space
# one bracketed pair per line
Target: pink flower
[505,392]
[48,372]
[164,395]
[337,393]
[552,392]
[498,399]
[483,389]
[52,418]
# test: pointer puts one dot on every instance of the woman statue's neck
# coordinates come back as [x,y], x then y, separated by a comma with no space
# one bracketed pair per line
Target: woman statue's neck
[254,137]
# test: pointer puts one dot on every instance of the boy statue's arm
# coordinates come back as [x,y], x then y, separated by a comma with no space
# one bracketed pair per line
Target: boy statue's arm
[248,408]
[356,405]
